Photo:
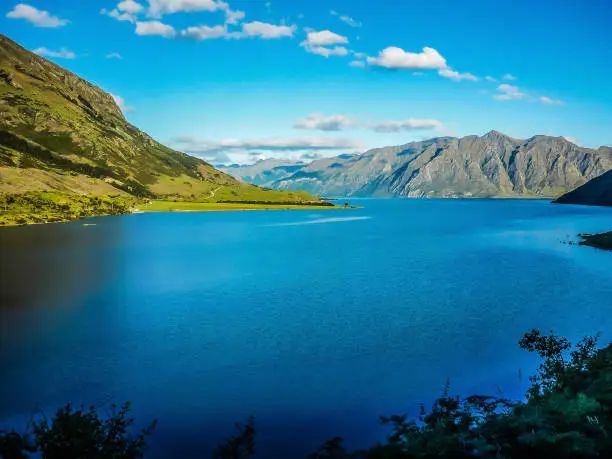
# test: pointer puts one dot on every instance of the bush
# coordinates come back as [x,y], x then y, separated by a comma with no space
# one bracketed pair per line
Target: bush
[79,434]
[567,414]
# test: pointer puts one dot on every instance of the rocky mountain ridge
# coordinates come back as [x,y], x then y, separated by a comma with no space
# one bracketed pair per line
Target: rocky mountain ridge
[492,165]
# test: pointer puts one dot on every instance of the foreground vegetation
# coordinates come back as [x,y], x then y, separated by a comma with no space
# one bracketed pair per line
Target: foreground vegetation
[48,207]
[599,241]
[567,414]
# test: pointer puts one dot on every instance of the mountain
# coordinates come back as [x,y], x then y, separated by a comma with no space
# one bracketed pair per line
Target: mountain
[59,132]
[596,192]
[493,165]
[264,172]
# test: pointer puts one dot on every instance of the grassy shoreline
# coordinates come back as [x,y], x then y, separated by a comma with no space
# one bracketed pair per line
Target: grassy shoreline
[186,206]
[33,208]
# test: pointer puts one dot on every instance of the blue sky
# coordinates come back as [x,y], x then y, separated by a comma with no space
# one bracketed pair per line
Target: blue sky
[232,81]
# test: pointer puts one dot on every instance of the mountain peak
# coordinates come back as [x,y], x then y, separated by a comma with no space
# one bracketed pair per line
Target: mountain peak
[494,134]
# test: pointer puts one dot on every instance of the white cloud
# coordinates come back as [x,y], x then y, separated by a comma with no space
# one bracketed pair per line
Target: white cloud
[264,30]
[35,16]
[155,28]
[397,58]
[130,6]
[326,52]
[453,75]
[360,64]
[407,125]
[346,19]
[270,144]
[118,15]
[509,92]
[234,17]
[359,55]
[244,150]
[63,53]
[121,103]
[549,101]
[158,8]
[491,79]
[319,122]
[319,43]
[509,77]
[205,32]
[114,56]
[249,30]
[323,38]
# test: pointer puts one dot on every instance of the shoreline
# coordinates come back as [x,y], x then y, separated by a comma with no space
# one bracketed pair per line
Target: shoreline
[204,207]
[186,206]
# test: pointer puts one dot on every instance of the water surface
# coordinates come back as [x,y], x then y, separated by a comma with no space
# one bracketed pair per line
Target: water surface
[317,322]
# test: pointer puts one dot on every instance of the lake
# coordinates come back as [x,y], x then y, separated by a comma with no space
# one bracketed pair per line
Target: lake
[315,322]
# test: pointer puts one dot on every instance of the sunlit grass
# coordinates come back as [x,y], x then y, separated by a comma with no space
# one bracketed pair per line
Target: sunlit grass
[171,206]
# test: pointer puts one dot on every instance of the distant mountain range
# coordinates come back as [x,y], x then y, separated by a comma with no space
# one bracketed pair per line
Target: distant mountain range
[493,165]
[264,172]
[59,132]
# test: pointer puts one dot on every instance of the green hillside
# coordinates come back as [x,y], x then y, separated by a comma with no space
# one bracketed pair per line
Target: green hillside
[60,133]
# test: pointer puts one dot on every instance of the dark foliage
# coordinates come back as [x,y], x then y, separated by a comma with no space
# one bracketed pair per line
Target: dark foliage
[13,445]
[240,446]
[331,449]
[79,434]
[567,414]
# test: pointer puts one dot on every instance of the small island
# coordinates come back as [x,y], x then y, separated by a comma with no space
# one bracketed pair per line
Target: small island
[599,241]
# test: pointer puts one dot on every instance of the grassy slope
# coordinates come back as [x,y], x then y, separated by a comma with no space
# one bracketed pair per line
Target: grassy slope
[16,180]
[62,133]
[49,207]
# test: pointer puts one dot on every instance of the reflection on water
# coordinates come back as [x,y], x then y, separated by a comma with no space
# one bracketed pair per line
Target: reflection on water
[47,271]
[55,264]
[322,220]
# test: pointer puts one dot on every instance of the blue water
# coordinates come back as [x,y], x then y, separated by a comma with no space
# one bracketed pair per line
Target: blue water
[315,322]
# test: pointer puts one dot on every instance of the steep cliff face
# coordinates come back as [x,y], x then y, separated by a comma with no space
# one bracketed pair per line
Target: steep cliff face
[55,126]
[493,165]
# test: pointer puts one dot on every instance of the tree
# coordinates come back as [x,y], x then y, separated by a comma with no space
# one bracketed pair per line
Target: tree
[82,434]
[240,446]
[13,445]
[331,449]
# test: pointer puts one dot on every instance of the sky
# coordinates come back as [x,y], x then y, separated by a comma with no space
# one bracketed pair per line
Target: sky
[241,80]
